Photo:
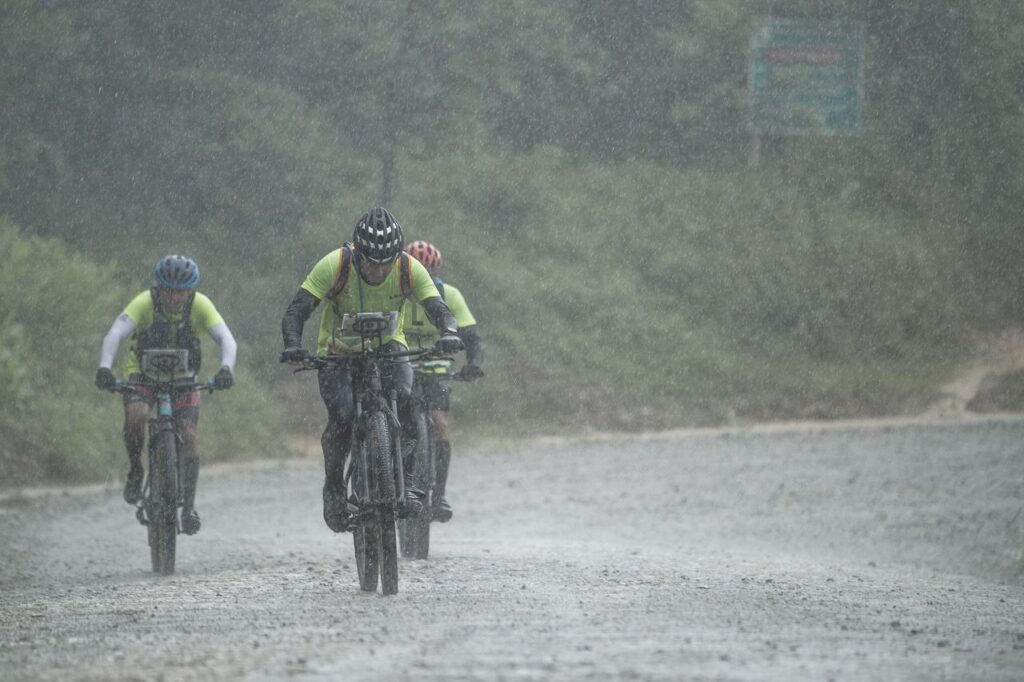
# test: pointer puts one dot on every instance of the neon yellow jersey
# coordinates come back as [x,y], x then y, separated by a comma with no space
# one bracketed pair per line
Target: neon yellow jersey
[360,297]
[203,316]
[417,327]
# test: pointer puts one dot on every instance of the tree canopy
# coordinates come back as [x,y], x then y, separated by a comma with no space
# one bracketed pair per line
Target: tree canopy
[578,161]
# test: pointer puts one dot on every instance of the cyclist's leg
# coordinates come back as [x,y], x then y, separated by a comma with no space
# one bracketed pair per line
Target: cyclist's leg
[441,424]
[441,398]
[136,412]
[399,378]
[336,392]
[186,420]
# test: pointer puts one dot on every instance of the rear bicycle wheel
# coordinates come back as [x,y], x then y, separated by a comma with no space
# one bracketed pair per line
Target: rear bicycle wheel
[365,537]
[415,531]
[381,454]
[162,505]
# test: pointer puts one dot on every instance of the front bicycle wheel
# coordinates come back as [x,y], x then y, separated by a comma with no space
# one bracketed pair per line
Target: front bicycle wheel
[381,455]
[415,531]
[365,537]
[162,503]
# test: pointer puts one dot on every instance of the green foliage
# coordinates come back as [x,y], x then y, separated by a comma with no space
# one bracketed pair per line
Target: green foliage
[618,291]
[583,165]
[55,307]
[54,422]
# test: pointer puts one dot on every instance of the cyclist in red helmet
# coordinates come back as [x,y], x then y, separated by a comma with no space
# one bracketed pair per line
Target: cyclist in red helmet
[426,253]
[438,385]
[172,314]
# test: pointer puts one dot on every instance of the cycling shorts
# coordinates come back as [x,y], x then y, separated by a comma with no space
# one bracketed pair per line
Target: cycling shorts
[437,390]
[144,394]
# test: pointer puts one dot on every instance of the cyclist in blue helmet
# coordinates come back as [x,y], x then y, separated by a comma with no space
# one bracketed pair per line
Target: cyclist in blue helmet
[171,314]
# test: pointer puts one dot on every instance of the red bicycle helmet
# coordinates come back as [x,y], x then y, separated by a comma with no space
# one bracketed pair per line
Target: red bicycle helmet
[426,253]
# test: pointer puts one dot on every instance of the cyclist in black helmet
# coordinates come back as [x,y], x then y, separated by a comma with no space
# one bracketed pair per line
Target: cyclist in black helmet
[172,314]
[372,274]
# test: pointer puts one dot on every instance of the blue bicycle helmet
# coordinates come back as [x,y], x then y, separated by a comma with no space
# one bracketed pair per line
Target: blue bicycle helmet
[177,272]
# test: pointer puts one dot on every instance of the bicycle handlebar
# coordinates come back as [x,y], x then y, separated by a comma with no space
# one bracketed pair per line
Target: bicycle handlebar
[178,386]
[320,361]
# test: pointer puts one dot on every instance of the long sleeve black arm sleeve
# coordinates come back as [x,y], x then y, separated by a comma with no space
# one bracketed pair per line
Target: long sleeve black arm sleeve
[295,317]
[439,315]
[474,345]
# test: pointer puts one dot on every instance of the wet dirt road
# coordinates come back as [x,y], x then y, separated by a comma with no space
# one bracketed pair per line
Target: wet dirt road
[890,552]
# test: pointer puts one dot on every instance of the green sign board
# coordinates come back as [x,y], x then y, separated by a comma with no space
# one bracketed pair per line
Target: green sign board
[805,77]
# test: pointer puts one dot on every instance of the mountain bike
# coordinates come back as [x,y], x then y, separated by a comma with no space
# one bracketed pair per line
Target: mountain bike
[414,533]
[374,480]
[162,491]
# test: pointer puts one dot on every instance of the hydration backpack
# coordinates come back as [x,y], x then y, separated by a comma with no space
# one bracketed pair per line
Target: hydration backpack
[345,258]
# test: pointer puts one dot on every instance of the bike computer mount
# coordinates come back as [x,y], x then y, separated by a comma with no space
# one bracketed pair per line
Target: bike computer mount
[164,361]
[369,325]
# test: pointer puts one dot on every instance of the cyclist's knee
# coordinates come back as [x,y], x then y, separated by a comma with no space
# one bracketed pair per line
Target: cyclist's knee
[135,415]
[134,431]
[336,435]
[401,379]
[187,430]
[335,441]
[441,424]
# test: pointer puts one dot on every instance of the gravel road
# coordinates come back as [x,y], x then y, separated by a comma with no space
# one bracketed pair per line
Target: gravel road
[886,552]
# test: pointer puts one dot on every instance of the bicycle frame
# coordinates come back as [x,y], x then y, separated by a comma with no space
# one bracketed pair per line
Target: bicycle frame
[162,492]
[377,436]
[162,421]
[369,397]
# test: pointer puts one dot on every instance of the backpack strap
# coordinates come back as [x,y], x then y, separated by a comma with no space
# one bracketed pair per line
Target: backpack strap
[344,268]
[405,275]
[439,283]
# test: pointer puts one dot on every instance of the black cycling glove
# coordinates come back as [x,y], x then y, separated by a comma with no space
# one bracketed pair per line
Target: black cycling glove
[223,379]
[104,378]
[450,343]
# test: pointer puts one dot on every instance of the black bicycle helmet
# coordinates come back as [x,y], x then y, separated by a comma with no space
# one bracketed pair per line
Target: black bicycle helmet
[177,272]
[378,236]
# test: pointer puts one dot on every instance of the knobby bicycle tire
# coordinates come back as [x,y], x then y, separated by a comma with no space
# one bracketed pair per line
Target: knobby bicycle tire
[381,451]
[415,531]
[163,502]
[365,537]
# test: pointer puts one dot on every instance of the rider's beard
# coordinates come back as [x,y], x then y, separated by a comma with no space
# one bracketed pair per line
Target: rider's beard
[374,273]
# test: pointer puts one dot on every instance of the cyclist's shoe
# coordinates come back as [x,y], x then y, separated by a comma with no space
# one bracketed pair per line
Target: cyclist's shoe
[190,523]
[133,486]
[338,511]
[414,498]
[442,510]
